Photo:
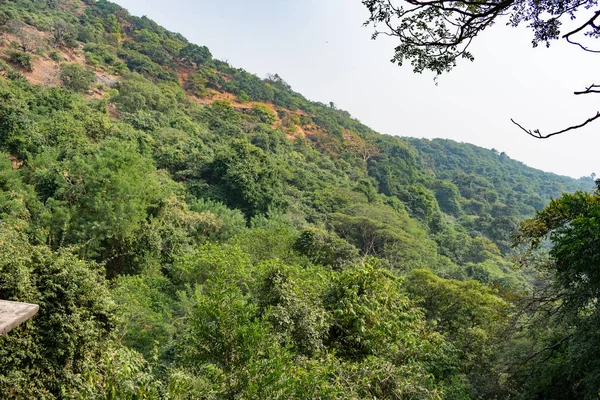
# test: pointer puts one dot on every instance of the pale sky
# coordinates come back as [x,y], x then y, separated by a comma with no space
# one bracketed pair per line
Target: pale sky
[322,50]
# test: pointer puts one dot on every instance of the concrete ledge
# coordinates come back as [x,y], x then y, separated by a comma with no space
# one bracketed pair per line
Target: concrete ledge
[13,314]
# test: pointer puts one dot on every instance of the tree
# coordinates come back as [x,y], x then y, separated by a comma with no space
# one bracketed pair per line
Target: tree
[326,248]
[376,326]
[570,299]
[448,197]
[359,146]
[264,114]
[109,195]
[473,318]
[5,17]
[435,34]
[293,308]
[61,32]
[383,232]
[250,179]
[25,39]
[194,54]
[45,356]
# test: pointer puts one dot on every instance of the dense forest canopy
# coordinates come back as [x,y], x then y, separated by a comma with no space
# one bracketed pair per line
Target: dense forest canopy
[192,231]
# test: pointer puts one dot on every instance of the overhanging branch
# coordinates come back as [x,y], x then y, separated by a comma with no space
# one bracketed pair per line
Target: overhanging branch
[590,89]
[538,135]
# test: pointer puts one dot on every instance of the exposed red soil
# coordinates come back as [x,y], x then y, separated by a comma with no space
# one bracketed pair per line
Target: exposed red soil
[46,72]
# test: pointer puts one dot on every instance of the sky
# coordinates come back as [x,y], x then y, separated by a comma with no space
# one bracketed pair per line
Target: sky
[322,50]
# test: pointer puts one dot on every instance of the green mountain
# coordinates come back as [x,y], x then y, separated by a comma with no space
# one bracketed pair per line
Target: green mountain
[190,230]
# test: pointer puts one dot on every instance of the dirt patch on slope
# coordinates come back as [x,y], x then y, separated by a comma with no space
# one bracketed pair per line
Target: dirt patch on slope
[45,72]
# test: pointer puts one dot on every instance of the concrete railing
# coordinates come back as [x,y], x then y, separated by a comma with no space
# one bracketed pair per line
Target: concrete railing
[13,314]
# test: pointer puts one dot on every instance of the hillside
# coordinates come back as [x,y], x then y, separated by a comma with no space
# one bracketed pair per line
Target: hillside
[193,231]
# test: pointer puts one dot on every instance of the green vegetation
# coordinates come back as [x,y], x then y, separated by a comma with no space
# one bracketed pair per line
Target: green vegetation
[76,78]
[183,247]
[21,59]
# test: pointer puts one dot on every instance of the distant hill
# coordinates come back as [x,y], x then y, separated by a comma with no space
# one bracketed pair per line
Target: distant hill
[515,182]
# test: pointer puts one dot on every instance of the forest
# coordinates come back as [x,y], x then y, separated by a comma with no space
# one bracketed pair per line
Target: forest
[193,231]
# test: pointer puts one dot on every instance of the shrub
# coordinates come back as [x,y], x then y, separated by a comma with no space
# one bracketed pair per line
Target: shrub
[76,77]
[21,59]
[4,67]
[120,67]
[87,34]
[71,42]
[196,84]
[15,76]
[142,64]
[98,54]
[264,114]
[55,56]
[243,97]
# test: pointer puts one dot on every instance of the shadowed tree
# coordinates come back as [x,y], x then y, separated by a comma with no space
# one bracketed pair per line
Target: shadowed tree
[568,304]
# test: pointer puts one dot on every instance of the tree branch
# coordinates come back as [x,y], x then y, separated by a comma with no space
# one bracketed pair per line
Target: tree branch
[590,22]
[589,89]
[550,348]
[538,135]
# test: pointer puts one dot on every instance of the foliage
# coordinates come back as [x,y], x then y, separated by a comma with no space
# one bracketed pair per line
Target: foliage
[434,35]
[46,356]
[76,78]
[273,249]
[264,114]
[473,318]
[21,59]
[325,248]
[249,177]
[570,223]
[435,46]
[195,54]
[99,55]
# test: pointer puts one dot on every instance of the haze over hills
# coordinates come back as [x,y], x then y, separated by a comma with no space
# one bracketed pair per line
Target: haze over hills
[473,103]
[257,244]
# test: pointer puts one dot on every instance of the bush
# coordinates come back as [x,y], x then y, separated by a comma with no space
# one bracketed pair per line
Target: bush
[21,60]
[264,114]
[196,85]
[55,56]
[98,54]
[87,34]
[243,97]
[142,64]
[71,43]
[76,77]
[4,67]
[15,76]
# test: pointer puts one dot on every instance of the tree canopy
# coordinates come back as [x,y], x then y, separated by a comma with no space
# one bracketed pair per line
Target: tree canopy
[434,35]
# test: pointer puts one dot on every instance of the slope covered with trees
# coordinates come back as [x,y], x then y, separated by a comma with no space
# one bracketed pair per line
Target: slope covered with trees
[193,231]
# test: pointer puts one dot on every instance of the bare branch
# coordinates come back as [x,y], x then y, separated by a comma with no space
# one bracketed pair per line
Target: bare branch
[538,135]
[552,348]
[589,89]
[581,46]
